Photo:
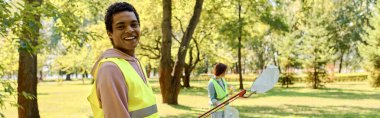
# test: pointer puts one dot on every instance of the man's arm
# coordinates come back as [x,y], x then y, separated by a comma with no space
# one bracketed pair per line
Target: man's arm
[112,91]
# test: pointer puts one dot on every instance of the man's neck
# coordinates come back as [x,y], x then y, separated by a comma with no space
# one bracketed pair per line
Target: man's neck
[128,52]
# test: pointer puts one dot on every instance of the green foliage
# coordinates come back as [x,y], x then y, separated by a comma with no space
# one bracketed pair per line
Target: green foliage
[316,51]
[349,24]
[6,94]
[286,79]
[228,77]
[370,51]
[31,25]
[294,33]
[293,77]
[346,99]
[9,57]
[350,77]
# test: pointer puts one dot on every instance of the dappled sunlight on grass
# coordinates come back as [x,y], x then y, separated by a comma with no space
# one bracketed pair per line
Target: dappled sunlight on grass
[349,99]
[307,111]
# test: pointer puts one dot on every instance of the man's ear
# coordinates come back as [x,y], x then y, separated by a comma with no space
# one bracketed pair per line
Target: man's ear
[109,35]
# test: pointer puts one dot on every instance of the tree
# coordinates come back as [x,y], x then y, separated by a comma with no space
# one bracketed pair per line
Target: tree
[9,57]
[348,25]
[25,24]
[286,43]
[234,30]
[249,25]
[8,68]
[202,45]
[315,50]
[370,50]
[170,72]
[27,72]
[191,64]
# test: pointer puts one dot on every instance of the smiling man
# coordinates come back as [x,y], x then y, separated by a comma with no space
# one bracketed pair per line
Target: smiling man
[121,88]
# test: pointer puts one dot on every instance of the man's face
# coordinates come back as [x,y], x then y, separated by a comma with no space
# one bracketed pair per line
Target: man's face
[126,31]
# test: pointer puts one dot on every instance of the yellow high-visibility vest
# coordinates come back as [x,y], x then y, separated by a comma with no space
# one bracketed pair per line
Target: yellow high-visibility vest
[141,99]
[221,95]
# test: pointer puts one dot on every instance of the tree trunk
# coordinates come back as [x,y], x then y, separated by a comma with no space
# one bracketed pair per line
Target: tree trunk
[287,77]
[68,77]
[181,55]
[85,75]
[243,68]
[170,85]
[186,78]
[315,74]
[165,68]
[261,61]
[341,63]
[191,65]
[315,78]
[206,64]
[236,68]
[154,72]
[27,84]
[41,76]
[27,71]
[148,70]
[275,60]
[239,48]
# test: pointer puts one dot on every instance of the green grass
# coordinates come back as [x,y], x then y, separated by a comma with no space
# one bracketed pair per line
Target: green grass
[348,99]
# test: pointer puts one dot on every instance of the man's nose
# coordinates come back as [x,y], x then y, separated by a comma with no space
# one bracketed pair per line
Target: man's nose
[129,29]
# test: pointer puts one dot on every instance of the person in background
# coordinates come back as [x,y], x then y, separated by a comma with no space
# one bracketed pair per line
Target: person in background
[218,89]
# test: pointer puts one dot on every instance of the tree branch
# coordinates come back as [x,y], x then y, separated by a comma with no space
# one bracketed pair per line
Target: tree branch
[175,38]
[180,24]
[154,50]
[198,54]
[150,57]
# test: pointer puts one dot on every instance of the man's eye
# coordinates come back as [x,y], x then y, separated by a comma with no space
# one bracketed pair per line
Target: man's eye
[134,25]
[120,27]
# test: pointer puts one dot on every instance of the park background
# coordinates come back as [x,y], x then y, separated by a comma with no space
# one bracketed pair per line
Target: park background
[328,53]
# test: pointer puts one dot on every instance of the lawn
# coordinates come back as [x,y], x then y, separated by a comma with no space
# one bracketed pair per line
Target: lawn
[348,99]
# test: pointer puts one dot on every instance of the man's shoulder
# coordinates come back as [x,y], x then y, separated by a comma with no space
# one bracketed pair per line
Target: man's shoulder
[108,64]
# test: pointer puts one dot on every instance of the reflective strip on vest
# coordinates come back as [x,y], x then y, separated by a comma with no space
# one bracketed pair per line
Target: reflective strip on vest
[144,112]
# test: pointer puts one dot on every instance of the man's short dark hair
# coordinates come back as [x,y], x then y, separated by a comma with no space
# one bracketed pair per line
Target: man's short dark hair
[116,8]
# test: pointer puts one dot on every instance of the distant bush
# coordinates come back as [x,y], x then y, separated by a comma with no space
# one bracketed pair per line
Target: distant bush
[375,79]
[229,77]
[338,77]
[286,80]
[294,78]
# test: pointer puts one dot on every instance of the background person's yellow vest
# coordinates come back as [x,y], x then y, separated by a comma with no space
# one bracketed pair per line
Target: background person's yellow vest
[141,99]
[221,95]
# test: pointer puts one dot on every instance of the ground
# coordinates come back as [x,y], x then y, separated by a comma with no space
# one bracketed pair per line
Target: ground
[343,99]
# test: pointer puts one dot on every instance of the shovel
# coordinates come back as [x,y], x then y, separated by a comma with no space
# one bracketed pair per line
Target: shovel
[265,82]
